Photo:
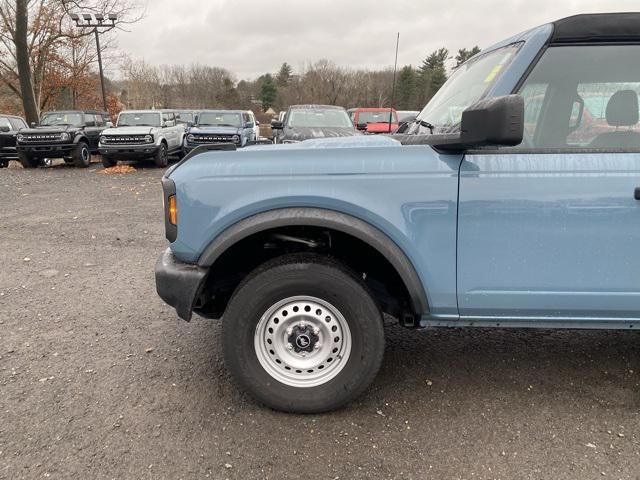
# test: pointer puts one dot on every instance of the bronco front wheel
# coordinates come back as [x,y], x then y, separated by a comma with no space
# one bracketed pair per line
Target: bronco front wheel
[303,334]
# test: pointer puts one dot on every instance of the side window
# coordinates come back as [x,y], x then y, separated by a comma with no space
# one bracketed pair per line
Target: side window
[17,123]
[89,120]
[99,121]
[583,97]
[245,118]
[4,122]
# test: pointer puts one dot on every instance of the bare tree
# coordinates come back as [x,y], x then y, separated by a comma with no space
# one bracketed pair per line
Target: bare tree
[33,31]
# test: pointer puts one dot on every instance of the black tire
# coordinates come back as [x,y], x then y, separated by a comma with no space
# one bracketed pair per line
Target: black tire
[28,162]
[81,155]
[311,276]
[108,162]
[68,160]
[161,158]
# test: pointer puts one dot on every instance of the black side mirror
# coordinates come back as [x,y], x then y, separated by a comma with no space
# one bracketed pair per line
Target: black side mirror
[276,125]
[4,129]
[362,127]
[33,124]
[494,121]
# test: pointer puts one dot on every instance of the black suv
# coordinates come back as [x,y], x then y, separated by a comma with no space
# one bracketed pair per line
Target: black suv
[72,135]
[9,126]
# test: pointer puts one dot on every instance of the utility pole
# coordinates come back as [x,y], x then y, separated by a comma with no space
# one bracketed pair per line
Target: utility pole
[393,88]
[97,21]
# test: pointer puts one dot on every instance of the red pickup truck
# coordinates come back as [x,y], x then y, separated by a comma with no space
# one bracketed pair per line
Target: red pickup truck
[375,119]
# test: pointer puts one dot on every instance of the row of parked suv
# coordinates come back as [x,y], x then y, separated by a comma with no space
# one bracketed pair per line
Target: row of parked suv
[158,134]
[137,135]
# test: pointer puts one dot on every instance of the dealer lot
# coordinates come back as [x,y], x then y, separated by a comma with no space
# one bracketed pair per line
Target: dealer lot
[98,379]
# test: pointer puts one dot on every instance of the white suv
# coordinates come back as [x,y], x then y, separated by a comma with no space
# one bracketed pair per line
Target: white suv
[141,134]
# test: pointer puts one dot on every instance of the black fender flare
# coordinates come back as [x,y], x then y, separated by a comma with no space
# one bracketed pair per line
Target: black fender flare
[318,217]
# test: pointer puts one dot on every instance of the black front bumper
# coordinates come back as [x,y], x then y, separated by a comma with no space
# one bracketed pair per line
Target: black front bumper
[179,283]
[129,151]
[8,153]
[56,150]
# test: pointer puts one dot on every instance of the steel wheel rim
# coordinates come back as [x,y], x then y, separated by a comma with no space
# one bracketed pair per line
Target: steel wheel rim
[85,155]
[302,369]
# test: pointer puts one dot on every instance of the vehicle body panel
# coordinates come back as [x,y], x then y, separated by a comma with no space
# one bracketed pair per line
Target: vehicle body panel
[417,211]
[544,235]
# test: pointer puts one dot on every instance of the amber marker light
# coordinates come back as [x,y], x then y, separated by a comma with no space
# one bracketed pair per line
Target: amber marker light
[173,210]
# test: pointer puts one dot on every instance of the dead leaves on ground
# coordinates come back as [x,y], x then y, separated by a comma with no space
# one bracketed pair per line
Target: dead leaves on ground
[118,169]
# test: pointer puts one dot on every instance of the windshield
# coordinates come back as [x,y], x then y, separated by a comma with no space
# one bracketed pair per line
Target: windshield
[377,117]
[131,119]
[319,117]
[185,117]
[466,86]
[55,118]
[220,119]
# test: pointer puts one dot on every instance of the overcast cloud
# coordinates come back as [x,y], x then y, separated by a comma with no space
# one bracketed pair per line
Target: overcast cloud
[250,37]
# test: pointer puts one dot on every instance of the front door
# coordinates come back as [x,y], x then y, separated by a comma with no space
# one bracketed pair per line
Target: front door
[550,230]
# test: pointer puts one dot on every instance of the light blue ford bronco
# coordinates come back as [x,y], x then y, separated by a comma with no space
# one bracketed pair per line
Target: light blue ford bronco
[513,201]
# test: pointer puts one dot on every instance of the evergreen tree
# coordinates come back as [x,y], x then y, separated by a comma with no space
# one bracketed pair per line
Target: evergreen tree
[407,89]
[284,75]
[432,74]
[464,55]
[268,91]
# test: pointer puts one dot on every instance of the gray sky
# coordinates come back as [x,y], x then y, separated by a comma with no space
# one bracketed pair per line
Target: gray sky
[251,37]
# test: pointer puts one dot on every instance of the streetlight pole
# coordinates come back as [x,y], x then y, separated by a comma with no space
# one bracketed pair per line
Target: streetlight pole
[104,92]
[97,21]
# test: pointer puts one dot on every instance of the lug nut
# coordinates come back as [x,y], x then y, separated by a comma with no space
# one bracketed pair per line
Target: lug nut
[302,324]
[289,346]
[304,354]
[289,332]
[316,346]
[316,330]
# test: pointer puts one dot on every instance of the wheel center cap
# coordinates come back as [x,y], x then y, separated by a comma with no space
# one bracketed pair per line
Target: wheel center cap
[303,341]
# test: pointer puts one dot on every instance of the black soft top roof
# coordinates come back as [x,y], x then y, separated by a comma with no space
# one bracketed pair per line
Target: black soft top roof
[597,27]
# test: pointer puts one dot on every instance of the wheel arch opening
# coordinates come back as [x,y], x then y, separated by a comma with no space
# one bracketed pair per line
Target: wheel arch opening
[379,262]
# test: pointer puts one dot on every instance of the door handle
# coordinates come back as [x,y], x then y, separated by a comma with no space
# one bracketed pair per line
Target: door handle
[636,194]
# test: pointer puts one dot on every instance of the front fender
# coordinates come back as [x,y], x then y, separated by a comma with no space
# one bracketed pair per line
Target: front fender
[327,219]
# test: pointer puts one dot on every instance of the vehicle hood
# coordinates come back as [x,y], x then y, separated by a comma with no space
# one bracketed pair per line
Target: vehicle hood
[48,130]
[306,133]
[264,157]
[216,130]
[128,131]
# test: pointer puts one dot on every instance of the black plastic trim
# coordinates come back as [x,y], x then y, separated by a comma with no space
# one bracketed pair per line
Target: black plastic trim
[178,283]
[329,219]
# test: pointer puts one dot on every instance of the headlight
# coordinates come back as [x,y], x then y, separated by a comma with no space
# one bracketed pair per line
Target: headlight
[190,137]
[20,137]
[235,139]
[148,138]
[64,136]
[103,139]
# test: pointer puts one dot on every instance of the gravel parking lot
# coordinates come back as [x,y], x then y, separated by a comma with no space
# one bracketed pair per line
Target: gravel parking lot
[98,379]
